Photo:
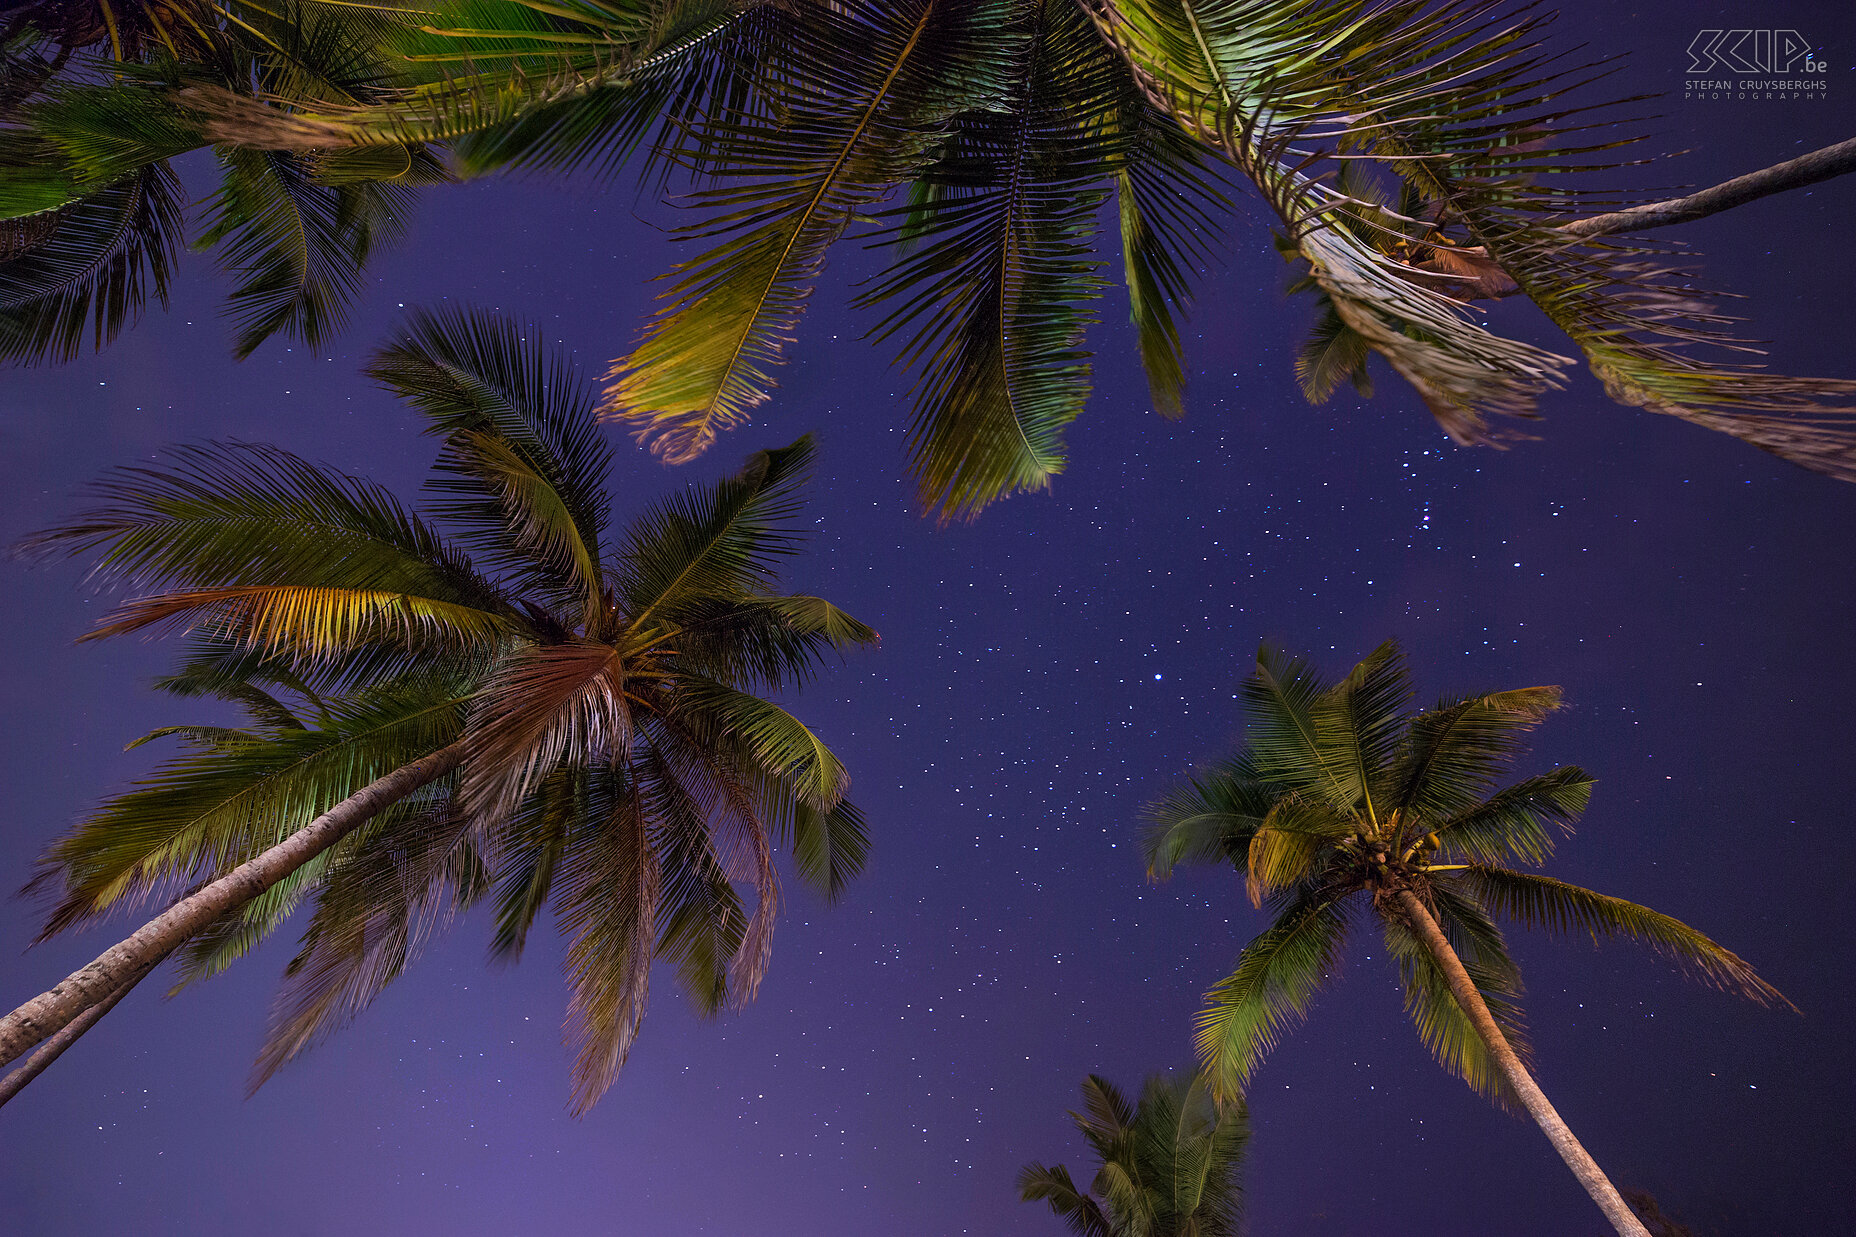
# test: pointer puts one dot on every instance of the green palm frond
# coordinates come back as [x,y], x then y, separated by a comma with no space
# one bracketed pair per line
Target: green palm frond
[203,813]
[1360,722]
[1276,980]
[528,852]
[1172,202]
[298,247]
[989,301]
[1290,845]
[375,906]
[721,543]
[829,848]
[1037,1183]
[1516,824]
[524,470]
[776,642]
[719,781]
[1206,818]
[198,736]
[705,57]
[1332,354]
[1258,81]
[771,738]
[1168,1163]
[507,80]
[848,115]
[1440,1021]
[1456,749]
[1560,908]
[270,550]
[104,256]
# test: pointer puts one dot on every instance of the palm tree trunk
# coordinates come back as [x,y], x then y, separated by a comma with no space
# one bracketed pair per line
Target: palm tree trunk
[51,1049]
[50,1012]
[1792,174]
[1583,1166]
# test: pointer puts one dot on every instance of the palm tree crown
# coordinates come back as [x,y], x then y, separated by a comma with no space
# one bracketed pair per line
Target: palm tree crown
[1341,798]
[979,140]
[1341,801]
[615,763]
[1169,1163]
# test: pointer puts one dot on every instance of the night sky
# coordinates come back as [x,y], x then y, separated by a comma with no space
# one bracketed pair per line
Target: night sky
[1044,672]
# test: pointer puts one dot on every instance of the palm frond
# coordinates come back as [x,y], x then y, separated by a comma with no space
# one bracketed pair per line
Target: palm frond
[842,121]
[204,813]
[538,706]
[1083,1215]
[1207,818]
[273,550]
[1172,200]
[511,70]
[1332,354]
[1276,980]
[990,299]
[1560,908]
[709,59]
[1359,723]
[1290,731]
[775,741]
[776,642]
[1440,1021]
[720,544]
[524,469]
[1455,750]
[101,259]
[1289,846]
[609,883]
[1277,88]
[1516,824]
[829,848]
[527,851]
[297,245]
[377,904]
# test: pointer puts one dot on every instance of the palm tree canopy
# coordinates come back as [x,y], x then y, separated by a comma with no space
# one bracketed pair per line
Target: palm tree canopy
[1342,798]
[1169,1164]
[624,770]
[1414,156]
[92,213]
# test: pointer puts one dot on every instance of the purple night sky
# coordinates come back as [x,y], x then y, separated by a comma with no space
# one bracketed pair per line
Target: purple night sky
[1043,673]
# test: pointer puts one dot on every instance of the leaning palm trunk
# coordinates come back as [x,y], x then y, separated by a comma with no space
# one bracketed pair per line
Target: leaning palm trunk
[122,964]
[52,1048]
[1583,1166]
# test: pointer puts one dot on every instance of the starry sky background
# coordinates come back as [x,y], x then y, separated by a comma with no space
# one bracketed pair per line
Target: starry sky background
[1044,672]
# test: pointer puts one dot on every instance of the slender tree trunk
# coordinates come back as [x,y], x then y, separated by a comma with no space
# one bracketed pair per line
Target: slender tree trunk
[50,1012]
[51,1049]
[1792,174]
[1583,1166]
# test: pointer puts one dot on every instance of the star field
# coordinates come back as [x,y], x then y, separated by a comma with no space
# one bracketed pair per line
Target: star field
[1043,672]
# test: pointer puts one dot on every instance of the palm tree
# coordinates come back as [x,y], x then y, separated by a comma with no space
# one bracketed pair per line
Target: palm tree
[91,220]
[1169,1164]
[1341,797]
[982,137]
[541,711]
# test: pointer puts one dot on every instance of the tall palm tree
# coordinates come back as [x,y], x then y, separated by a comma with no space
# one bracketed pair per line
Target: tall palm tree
[1168,1164]
[984,136]
[1340,798]
[546,711]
